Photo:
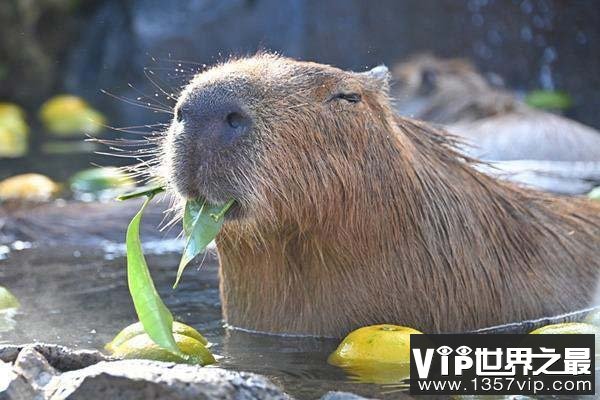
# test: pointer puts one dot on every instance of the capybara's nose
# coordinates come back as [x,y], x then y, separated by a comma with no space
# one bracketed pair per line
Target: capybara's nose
[218,123]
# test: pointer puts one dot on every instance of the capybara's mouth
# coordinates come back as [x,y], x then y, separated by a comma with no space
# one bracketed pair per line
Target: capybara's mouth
[235,212]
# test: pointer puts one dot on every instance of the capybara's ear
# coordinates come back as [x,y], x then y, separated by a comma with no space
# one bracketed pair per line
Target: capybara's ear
[380,75]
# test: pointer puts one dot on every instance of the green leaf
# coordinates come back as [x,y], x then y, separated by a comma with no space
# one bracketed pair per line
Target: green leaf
[201,224]
[143,191]
[153,314]
[549,100]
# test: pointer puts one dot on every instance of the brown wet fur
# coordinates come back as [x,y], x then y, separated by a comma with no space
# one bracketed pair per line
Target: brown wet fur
[352,216]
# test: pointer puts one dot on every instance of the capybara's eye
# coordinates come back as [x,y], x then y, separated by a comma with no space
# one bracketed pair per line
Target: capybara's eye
[236,120]
[178,114]
[428,80]
[349,97]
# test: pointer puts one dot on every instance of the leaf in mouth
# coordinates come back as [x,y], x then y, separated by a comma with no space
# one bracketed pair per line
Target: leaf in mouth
[155,317]
[202,222]
[149,191]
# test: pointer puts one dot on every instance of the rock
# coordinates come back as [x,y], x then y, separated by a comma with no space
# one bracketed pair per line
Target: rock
[13,386]
[59,357]
[33,366]
[53,372]
[144,379]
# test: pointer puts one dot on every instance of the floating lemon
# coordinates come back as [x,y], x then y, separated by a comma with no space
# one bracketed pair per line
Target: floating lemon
[137,329]
[97,181]
[578,328]
[7,300]
[67,115]
[141,346]
[12,117]
[377,354]
[12,145]
[13,131]
[32,187]
[567,328]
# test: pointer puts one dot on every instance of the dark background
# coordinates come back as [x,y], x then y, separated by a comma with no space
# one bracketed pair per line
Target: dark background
[76,46]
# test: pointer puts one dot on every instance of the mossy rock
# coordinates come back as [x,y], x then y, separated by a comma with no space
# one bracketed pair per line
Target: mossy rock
[595,194]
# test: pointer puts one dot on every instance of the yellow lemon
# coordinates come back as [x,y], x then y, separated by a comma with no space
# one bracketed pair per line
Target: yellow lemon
[571,328]
[7,300]
[377,354]
[13,131]
[67,115]
[12,118]
[138,329]
[32,187]
[567,328]
[12,145]
[381,343]
[142,347]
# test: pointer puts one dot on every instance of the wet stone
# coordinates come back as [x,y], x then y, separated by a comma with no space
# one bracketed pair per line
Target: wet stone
[59,357]
[13,386]
[34,368]
[145,379]
[46,371]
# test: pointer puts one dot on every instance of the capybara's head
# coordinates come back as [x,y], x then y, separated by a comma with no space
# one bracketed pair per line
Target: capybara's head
[425,75]
[275,134]
[446,91]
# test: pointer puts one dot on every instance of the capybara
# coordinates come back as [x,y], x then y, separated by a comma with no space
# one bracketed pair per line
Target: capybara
[497,125]
[347,215]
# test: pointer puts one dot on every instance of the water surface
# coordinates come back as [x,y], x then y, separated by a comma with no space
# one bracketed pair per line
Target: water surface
[78,297]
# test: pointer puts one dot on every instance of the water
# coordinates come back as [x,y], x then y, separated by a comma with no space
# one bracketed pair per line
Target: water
[78,297]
